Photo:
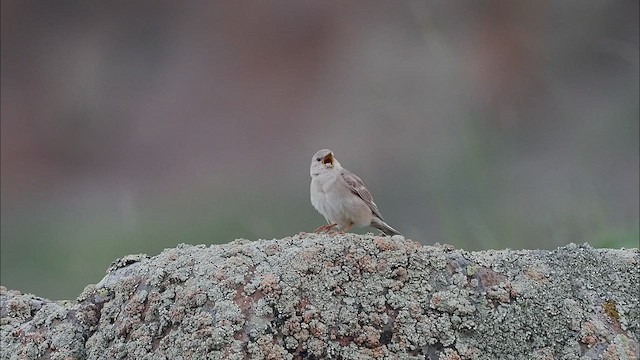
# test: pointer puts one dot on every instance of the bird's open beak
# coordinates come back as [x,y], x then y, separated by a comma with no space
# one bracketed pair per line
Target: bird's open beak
[328,160]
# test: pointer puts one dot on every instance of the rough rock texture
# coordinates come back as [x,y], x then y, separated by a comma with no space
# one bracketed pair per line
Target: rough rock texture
[344,296]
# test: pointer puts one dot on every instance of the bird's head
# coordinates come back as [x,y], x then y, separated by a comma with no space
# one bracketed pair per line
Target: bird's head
[323,161]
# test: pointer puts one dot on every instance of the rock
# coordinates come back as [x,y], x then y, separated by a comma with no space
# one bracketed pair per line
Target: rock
[339,296]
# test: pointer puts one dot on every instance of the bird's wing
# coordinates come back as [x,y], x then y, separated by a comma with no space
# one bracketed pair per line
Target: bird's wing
[356,185]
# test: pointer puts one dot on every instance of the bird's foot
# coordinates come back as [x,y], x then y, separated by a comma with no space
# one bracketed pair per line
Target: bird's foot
[340,231]
[325,228]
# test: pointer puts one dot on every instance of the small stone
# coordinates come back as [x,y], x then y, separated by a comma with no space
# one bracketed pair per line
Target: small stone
[397,238]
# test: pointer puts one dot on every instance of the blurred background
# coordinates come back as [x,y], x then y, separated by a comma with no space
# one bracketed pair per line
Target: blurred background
[132,126]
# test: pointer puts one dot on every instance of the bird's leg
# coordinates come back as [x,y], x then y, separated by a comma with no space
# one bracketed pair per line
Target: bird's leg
[325,228]
[342,230]
[346,228]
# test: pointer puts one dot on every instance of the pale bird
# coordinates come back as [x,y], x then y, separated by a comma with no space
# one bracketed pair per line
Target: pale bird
[341,197]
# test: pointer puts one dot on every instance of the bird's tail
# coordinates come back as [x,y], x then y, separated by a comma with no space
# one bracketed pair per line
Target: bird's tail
[384,227]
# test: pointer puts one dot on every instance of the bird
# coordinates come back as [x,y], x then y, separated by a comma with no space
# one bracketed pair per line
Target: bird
[341,196]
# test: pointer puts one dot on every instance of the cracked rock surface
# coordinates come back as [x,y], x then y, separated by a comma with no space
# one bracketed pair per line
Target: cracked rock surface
[342,296]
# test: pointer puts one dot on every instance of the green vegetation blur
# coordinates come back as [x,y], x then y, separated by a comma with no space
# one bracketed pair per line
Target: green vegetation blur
[133,127]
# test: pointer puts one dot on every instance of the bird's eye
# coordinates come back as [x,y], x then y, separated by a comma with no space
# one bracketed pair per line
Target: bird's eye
[318,159]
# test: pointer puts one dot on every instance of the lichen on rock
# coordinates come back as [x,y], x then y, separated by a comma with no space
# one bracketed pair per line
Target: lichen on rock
[339,296]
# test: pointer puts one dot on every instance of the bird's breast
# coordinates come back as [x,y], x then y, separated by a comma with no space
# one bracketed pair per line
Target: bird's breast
[326,197]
